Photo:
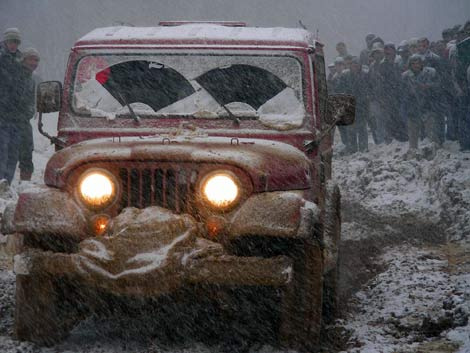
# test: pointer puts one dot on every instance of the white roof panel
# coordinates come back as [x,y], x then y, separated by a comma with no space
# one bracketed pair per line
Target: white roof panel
[198,32]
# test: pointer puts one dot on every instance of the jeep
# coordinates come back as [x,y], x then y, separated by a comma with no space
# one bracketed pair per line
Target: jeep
[190,158]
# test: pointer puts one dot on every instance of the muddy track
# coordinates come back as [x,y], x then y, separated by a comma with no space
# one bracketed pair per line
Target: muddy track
[359,256]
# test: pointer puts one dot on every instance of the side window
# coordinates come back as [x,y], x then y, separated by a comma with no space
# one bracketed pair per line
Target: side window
[320,81]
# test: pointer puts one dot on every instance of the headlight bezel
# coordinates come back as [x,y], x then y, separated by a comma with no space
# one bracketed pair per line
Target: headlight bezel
[114,184]
[225,172]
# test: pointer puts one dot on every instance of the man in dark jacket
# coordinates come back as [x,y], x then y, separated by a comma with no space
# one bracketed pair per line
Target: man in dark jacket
[394,126]
[26,111]
[10,69]
[355,82]
[420,84]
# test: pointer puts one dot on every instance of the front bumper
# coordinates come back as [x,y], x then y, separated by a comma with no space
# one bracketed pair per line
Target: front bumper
[153,252]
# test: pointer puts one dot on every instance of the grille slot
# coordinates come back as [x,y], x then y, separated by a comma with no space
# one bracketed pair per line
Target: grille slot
[172,188]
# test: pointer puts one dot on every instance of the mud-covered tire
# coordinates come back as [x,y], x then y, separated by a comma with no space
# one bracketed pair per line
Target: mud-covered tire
[41,315]
[301,316]
[331,237]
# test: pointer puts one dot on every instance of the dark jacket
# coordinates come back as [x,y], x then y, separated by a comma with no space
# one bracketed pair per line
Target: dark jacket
[26,89]
[390,81]
[419,100]
[10,91]
[356,84]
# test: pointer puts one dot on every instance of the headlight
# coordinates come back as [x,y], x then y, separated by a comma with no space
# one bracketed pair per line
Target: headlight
[97,189]
[221,190]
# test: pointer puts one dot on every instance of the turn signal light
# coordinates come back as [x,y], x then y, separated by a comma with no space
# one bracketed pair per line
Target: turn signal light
[100,224]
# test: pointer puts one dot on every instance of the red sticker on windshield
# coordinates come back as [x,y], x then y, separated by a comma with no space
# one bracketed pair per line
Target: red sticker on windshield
[103,76]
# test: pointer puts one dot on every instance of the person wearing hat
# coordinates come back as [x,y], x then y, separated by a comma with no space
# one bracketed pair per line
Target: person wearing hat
[10,70]
[27,110]
[419,91]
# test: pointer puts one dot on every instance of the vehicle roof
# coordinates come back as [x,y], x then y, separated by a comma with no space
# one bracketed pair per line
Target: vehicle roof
[198,34]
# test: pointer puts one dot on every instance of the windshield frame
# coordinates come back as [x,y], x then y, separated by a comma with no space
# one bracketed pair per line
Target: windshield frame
[300,55]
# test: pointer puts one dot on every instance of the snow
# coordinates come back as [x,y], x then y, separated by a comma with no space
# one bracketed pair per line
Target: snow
[206,32]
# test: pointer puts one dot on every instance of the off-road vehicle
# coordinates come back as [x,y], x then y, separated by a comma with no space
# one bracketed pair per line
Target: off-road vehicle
[190,158]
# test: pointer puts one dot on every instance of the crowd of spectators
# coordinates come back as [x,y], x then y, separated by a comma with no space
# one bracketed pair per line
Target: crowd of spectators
[407,92]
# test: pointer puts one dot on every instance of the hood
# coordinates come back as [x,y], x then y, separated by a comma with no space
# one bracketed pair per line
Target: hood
[271,165]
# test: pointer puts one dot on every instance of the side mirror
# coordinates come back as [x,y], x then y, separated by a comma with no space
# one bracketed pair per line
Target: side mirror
[342,109]
[49,97]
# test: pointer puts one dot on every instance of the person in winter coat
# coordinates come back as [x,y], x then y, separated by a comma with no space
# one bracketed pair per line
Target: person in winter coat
[335,88]
[10,69]
[390,81]
[27,109]
[376,121]
[355,82]
[420,84]
[403,51]
[365,53]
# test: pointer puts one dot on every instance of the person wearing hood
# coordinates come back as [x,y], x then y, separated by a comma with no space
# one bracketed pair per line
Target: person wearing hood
[419,86]
[27,109]
[10,70]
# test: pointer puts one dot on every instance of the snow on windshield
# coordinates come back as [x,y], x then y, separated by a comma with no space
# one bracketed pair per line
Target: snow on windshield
[266,88]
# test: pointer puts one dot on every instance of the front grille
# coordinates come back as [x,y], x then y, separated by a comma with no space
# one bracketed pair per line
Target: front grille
[172,188]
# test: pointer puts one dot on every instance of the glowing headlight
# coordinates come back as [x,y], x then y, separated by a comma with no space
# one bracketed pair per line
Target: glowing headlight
[220,190]
[97,189]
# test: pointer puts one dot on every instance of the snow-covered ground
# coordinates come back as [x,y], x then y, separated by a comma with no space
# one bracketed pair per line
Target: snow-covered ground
[406,273]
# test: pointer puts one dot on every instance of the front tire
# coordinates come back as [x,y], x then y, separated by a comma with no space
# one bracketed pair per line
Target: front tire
[331,236]
[41,314]
[301,313]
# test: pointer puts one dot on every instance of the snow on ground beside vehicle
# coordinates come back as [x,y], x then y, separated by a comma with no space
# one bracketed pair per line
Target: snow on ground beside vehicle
[421,302]
[433,185]
[416,305]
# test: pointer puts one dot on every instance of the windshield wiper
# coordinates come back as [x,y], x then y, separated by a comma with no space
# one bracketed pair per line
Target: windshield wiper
[231,116]
[133,114]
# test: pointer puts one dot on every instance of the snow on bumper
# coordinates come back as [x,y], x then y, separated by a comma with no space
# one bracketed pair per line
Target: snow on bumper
[153,251]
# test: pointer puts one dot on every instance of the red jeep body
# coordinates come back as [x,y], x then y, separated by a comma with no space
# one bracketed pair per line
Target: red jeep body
[159,112]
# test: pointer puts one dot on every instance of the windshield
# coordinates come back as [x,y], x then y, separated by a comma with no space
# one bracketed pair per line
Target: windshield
[265,88]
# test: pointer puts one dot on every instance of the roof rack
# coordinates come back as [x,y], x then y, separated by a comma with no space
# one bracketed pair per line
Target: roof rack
[220,23]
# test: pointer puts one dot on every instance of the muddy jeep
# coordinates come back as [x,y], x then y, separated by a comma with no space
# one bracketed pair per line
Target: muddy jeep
[191,158]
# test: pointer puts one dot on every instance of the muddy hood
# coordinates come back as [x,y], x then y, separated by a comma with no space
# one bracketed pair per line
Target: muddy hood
[271,165]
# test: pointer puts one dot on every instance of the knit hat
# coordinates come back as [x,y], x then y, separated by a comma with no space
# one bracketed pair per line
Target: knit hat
[416,57]
[339,60]
[12,34]
[390,45]
[30,52]
[377,47]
